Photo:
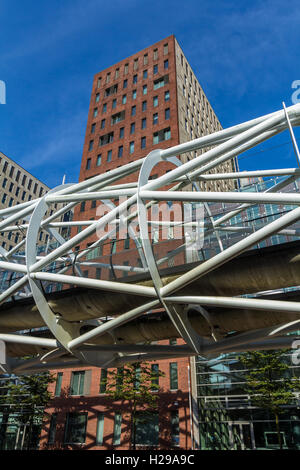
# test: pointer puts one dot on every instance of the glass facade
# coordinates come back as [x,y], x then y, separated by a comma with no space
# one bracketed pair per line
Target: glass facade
[228,420]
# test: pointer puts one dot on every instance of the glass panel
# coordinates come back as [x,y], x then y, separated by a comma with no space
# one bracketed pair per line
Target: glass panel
[147,429]
[100,427]
[117,429]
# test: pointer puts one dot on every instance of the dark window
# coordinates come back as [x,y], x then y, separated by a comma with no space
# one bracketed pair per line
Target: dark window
[121,132]
[166,64]
[102,124]
[144,123]
[82,206]
[77,383]
[167,113]
[58,384]
[120,151]
[134,79]
[173,376]
[75,431]
[144,106]
[91,144]
[132,128]
[125,83]
[93,128]
[155,69]
[147,429]
[145,73]
[133,110]
[143,142]
[174,428]
[154,377]
[52,429]
[103,380]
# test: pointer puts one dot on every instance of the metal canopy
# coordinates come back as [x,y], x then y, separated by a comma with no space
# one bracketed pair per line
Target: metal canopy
[204,285]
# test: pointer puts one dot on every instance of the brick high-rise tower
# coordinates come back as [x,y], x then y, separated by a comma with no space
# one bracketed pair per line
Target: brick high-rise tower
[147,101]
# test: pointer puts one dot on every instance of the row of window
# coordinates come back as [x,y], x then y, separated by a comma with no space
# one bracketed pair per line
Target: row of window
[79,380]
[146,428]
[109,138]
[160,136]
[17,176]
[119,117]
[135,64]
[114,89]
[159,83]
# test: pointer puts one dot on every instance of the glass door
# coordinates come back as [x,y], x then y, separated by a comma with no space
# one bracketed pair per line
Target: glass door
[241,435]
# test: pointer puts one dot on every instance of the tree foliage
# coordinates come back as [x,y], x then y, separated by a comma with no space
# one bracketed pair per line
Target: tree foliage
[269,382]
[135,384]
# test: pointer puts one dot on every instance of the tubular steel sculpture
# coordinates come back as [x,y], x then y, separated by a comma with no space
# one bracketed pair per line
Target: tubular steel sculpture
[71,303]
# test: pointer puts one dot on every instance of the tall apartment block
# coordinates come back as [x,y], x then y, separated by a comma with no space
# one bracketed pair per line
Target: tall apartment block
[18,186]
[148,101]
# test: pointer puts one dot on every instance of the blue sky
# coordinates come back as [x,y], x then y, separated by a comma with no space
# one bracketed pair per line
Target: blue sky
[245,54]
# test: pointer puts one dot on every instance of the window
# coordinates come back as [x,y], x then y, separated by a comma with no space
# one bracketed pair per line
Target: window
[174,428]
[132,128]
[99,82]
[82,206]
[160,82]
[97,98]
[155,54]
[144,106]
[145,59]
[11,201]
[52,429]
[162,135]
[100,428]
[134,80]
[134,94]
[154,377]
[4,198]
[114,103]
[4,182]
[155,69]
[121,132]
[137,382]
[147,429]
[145,74]
[117,73]
[18,175]
[155,101]
[117,117]
[143,142]
[77,383]
[17,191]
[166,64]
[5,167]
[173,376]
[23,195]
[58,384]
[104,108]
[167,113]
[102,124]
[126,243]
[98,161]
[133,110]
[120,151]
[155,118]
[126,69]
[93,126]
[144,123]
[91,144]
[109,156]
[131,147]
[124,99]
[125,83]
[11,173]
[145,90]
[95,113]
[103,380]
[108,77]
[135,64]
[75,431]
[11,187]
[117,429]
[106,139]
[166,49]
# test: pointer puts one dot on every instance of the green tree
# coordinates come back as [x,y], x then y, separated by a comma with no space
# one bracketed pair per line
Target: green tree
[135,384]
[269,382]
[27,397]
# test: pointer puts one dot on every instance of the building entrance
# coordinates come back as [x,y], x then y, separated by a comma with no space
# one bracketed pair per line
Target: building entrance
[241,435]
